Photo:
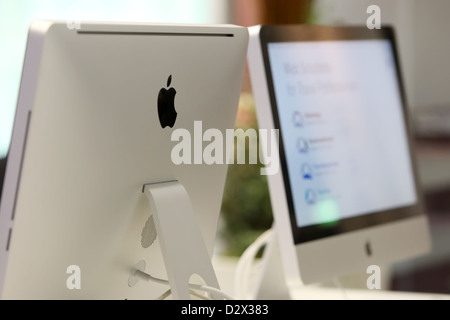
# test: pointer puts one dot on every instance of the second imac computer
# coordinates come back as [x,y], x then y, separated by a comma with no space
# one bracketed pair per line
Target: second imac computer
[347,195]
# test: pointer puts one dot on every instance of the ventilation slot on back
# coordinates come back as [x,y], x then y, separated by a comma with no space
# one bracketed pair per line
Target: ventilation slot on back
[165,34]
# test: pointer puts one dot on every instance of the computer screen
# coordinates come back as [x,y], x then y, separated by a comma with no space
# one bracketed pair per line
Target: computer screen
[345,141]
[347,195]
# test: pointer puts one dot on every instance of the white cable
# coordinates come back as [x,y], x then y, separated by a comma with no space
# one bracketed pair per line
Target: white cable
[245,262]
[195,294]
[147,277]
[210,290]
[338,284]
[169,292]
[164,295]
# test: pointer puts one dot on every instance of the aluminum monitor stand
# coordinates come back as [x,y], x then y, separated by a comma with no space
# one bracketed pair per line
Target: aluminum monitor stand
[183,249]
[271,282]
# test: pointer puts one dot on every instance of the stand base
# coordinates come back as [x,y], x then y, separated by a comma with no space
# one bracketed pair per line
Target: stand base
[183,249]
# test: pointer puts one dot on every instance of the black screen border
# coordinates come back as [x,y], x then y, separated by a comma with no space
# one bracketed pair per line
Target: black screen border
[3,161]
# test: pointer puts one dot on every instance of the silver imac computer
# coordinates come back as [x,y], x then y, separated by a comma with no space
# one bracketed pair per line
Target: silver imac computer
[347,195]
[105,113]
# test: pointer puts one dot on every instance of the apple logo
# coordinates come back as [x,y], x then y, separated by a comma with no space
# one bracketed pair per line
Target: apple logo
[166,105]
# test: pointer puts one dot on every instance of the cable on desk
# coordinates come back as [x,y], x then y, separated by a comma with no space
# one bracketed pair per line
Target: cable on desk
[148,277]
[191,292]
[338,285]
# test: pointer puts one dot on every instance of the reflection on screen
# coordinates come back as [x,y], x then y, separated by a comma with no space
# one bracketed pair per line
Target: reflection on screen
[342,126]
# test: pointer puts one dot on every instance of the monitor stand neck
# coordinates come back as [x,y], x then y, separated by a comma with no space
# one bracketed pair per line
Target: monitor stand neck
[271,284]
[183,249]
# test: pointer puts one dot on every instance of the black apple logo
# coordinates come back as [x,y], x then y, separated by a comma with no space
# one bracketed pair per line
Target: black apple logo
[166,105]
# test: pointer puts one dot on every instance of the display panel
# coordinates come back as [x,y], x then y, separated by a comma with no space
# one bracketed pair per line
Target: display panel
[345,152]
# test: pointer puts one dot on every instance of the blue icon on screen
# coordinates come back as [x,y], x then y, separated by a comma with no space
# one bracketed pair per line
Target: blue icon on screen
[310,196]
[307,173]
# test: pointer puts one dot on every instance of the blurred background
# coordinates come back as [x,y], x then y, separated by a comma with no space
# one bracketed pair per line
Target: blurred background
[424,47]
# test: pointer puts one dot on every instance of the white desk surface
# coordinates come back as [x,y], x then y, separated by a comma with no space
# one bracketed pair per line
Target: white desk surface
[319,293]
[225,271]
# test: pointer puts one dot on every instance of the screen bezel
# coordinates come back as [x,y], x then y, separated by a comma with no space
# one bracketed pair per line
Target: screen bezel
[3,161]
[303,33]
